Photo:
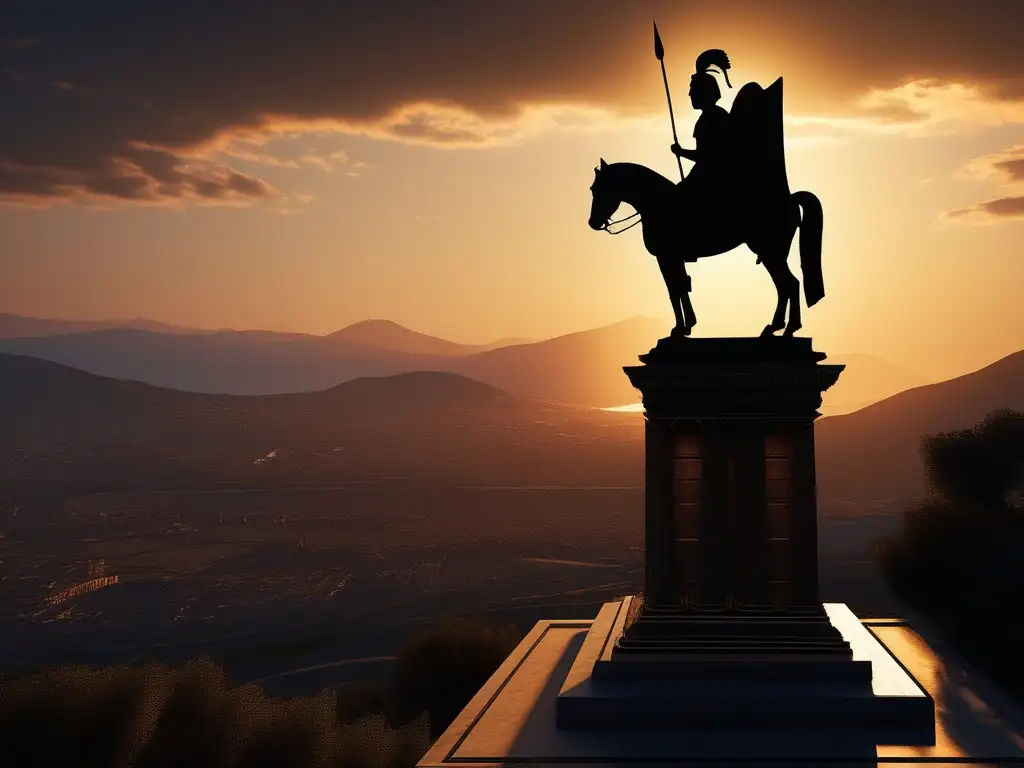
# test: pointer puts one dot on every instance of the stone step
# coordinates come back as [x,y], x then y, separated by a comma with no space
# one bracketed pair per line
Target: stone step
[728,643]
[711,666]
[732,703]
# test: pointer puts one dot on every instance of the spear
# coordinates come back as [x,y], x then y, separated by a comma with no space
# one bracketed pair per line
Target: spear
[659,51]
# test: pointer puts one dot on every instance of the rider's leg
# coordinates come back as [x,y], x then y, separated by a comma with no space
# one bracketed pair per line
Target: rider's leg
[686,285]
[673,294]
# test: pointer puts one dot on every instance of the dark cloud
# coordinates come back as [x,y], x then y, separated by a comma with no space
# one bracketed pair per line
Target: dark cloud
[17,43]
[84,85]
[1000,209]
[1012,168]
[149,176]
[1004,207]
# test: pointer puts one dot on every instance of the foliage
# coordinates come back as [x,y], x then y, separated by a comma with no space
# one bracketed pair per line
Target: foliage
[979,466]
[363,699]
[441,669]
[957,558]
[154,716]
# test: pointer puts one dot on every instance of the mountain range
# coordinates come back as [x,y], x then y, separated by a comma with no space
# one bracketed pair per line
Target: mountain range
[873,453]
[65,430]
[15,326]
[582,368]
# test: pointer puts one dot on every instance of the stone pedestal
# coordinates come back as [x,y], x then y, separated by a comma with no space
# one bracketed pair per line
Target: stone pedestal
[731,526]
[728,654]
[730,629]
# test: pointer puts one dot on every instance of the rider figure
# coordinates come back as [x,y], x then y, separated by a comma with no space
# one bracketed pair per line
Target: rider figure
[714,134]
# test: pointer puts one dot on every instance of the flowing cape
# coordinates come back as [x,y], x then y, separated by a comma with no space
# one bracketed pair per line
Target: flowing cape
[757,117]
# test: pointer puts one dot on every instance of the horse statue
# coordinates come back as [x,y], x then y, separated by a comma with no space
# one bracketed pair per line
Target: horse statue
[682,225]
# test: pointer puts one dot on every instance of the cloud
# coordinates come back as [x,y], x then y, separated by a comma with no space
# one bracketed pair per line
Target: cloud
[1006,166]
[251,149]
[920,108]
[991,211]
[140,175]
[208,85]
[17,43]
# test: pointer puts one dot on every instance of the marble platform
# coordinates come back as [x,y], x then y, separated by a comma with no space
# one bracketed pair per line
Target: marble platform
[512,719]
[870,694]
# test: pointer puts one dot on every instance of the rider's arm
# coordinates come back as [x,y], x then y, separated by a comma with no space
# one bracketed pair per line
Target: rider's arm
[686,154]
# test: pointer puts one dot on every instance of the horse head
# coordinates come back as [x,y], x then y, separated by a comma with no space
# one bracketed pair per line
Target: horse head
[606,197]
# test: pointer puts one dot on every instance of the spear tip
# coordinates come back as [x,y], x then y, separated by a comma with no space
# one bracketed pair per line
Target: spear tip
[659,49]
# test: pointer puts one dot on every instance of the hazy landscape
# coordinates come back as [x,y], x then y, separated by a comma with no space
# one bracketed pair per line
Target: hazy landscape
[313,320]
[285,532]
[581,368]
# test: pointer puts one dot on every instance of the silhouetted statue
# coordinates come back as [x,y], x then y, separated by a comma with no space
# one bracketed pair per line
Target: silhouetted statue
[737,193]
[715,157]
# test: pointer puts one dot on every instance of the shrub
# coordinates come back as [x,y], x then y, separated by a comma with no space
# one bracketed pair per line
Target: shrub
[364,699]
[957,558]
[440,669]
[977,467]
[154,716]
[157,717]
[933,561]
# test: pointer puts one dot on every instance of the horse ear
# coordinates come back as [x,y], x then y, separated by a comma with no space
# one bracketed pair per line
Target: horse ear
[603,164]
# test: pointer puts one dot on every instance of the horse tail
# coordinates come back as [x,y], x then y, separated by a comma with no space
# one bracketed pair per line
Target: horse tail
[811,225]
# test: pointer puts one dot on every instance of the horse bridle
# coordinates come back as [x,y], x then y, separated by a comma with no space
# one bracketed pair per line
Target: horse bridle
[609,224]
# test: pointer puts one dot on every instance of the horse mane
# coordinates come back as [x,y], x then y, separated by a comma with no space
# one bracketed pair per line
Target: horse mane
[642,172]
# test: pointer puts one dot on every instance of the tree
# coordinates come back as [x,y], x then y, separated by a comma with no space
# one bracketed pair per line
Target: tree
[981,467]
[957,557]
[440,669]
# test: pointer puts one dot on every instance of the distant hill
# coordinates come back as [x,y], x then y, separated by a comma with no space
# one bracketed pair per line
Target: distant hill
[15,326]
[387,336]
[505,342]
[874,452]
[62,428]
[236,362]
[866,380]
[66,430]
[581,368]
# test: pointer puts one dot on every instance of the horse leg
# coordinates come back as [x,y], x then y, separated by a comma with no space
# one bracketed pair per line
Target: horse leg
[673,295]
[791,285]
[779,318]
[685,285]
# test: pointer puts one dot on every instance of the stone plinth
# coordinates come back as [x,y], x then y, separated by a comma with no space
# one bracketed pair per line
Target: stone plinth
[730,631]
[728,654]
[794,693]
[731,527]
[512,719]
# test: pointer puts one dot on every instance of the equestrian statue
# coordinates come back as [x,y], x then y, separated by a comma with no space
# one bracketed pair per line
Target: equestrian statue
[736,193]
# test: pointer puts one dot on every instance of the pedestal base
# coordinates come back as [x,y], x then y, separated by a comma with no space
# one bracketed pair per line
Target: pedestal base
[511,720]
[729,686]
[728,634]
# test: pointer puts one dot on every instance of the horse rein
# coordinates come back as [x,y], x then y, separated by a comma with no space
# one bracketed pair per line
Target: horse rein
[608,225]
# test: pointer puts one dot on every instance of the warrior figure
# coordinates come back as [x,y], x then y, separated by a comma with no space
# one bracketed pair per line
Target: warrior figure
[737,193]
[714,157]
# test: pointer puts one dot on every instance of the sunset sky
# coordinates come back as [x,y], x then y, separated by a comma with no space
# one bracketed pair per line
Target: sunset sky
[301,165]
